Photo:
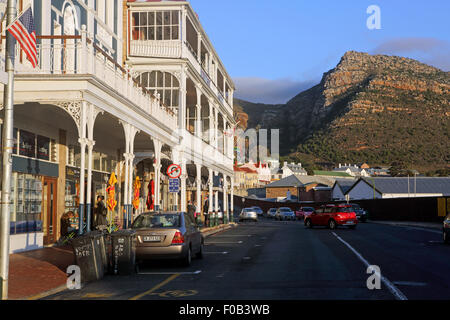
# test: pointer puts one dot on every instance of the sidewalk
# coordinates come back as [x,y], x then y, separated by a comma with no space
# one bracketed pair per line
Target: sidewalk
[426,225]
[40,273]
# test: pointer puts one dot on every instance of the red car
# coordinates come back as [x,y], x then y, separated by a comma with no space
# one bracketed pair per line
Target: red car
[332,216]
[303,212]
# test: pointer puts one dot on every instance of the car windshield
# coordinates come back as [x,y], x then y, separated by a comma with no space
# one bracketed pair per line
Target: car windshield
[157,221]
[285,209]
[308,209]
[249,210]
[345,209]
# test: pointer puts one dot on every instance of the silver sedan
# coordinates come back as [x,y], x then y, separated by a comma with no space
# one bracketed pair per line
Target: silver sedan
[248,214]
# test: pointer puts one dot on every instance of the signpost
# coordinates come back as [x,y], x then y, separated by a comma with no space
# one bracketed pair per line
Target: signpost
[174,173]
[174,185]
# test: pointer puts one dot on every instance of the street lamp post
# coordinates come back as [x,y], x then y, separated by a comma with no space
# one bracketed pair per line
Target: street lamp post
[8,144]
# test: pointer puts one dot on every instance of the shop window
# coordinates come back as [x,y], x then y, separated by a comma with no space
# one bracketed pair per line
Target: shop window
[43,148]
[27,145]
[159,25]
[26,203]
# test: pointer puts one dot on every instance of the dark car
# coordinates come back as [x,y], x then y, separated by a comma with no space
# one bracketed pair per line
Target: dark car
[168,235]
[446,230]
[361,214]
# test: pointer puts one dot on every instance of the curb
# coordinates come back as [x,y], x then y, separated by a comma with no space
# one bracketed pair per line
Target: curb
[210,231]
[45,294]
[406,224]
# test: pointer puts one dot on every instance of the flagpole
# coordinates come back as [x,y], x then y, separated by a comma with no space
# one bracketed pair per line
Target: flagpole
[7,143]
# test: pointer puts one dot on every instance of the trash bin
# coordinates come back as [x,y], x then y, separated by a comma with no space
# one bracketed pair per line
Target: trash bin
[101,257]
[88,258]
[123,252]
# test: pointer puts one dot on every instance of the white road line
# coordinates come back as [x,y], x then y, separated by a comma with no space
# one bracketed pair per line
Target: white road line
[392,288]
[225,252]
[239,242]
[410,283]
[181,273]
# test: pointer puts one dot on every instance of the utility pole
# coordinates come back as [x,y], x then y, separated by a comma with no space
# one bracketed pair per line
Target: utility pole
[8,102]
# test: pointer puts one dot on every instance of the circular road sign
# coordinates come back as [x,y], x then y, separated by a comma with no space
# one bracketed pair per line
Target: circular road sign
[174,171]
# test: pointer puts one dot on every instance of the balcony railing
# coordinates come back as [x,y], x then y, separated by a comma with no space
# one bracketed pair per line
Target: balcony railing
[69,55]
[157,48]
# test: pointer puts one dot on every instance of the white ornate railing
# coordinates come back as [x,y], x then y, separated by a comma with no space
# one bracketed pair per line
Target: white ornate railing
[159,48]
[68,55]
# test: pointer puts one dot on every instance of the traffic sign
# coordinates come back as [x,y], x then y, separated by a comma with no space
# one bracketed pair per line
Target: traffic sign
[174,185]
[174,171]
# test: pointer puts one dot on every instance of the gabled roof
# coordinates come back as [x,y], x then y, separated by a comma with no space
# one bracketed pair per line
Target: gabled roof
[399,185]
[291,181]
[345,184]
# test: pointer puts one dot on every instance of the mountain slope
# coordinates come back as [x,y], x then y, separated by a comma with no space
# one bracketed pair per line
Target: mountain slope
[377,108]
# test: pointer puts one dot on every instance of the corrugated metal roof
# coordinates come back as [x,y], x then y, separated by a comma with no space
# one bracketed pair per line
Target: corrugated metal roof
[417,185]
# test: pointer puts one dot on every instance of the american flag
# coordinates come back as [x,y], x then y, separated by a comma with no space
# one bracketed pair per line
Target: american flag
[23,30]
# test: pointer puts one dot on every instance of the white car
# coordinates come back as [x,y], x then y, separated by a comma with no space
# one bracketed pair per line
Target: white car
[248,214]
[285,214]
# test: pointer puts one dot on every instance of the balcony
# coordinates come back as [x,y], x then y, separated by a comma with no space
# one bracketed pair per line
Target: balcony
[79,55]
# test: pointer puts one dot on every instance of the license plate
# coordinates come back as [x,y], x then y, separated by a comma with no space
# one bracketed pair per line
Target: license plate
[152,239]
[350,222]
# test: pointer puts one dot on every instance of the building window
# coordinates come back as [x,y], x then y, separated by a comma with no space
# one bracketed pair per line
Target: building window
[165,84]
[157,25]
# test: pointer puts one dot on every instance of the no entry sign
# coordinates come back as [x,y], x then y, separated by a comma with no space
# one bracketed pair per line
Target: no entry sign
[174,171]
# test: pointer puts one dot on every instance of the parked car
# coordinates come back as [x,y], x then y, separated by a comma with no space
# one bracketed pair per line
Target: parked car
[248,214]
[168,235]
[258,211]
[285,214]
[332,216]
[302,212]
[361,214]
[446,230]
[271,212]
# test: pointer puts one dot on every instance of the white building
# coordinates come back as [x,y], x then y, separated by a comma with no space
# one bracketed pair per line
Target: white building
[290,169]
[352,170]
[123,88]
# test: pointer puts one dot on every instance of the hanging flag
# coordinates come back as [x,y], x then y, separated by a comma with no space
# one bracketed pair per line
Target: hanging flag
[137,188]
[151,195]
[111,191]
[23,30]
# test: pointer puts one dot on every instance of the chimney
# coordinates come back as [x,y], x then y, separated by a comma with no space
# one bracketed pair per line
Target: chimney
[340,165]
[299,164]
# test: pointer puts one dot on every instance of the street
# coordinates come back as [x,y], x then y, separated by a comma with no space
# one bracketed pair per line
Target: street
[271,260]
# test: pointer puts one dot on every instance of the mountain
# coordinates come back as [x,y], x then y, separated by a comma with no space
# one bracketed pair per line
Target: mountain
[370,108]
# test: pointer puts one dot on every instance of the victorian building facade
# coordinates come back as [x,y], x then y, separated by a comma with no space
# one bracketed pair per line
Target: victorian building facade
[118,89]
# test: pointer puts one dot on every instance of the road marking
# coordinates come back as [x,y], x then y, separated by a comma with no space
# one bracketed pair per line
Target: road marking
[175,293]
[96,295]
[392,288]
[258,245]
[410,283]
[237,235]
[169,279]
[239,242]
[164,273]
[246,258]
[216,252]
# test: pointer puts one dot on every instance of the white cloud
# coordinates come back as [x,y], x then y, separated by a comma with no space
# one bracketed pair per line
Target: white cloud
[260,90]
[431,51]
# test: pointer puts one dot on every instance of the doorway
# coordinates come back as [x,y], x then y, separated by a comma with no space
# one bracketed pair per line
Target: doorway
[49,205]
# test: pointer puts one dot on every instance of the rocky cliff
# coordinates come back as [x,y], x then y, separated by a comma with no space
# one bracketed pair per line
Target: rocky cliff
[372,108]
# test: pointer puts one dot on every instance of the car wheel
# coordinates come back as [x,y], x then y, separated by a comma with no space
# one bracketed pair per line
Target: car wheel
[188,259]
[199,254]
[332,224]
[308,223]
[446,238]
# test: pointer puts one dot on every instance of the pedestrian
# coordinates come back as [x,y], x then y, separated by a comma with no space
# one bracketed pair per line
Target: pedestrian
[100,212]
[206,211]
[66,227]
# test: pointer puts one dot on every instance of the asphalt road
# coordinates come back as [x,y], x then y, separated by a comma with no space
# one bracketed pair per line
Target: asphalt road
[271,260]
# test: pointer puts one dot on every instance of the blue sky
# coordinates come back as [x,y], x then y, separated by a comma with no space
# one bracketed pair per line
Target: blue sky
[275,49]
